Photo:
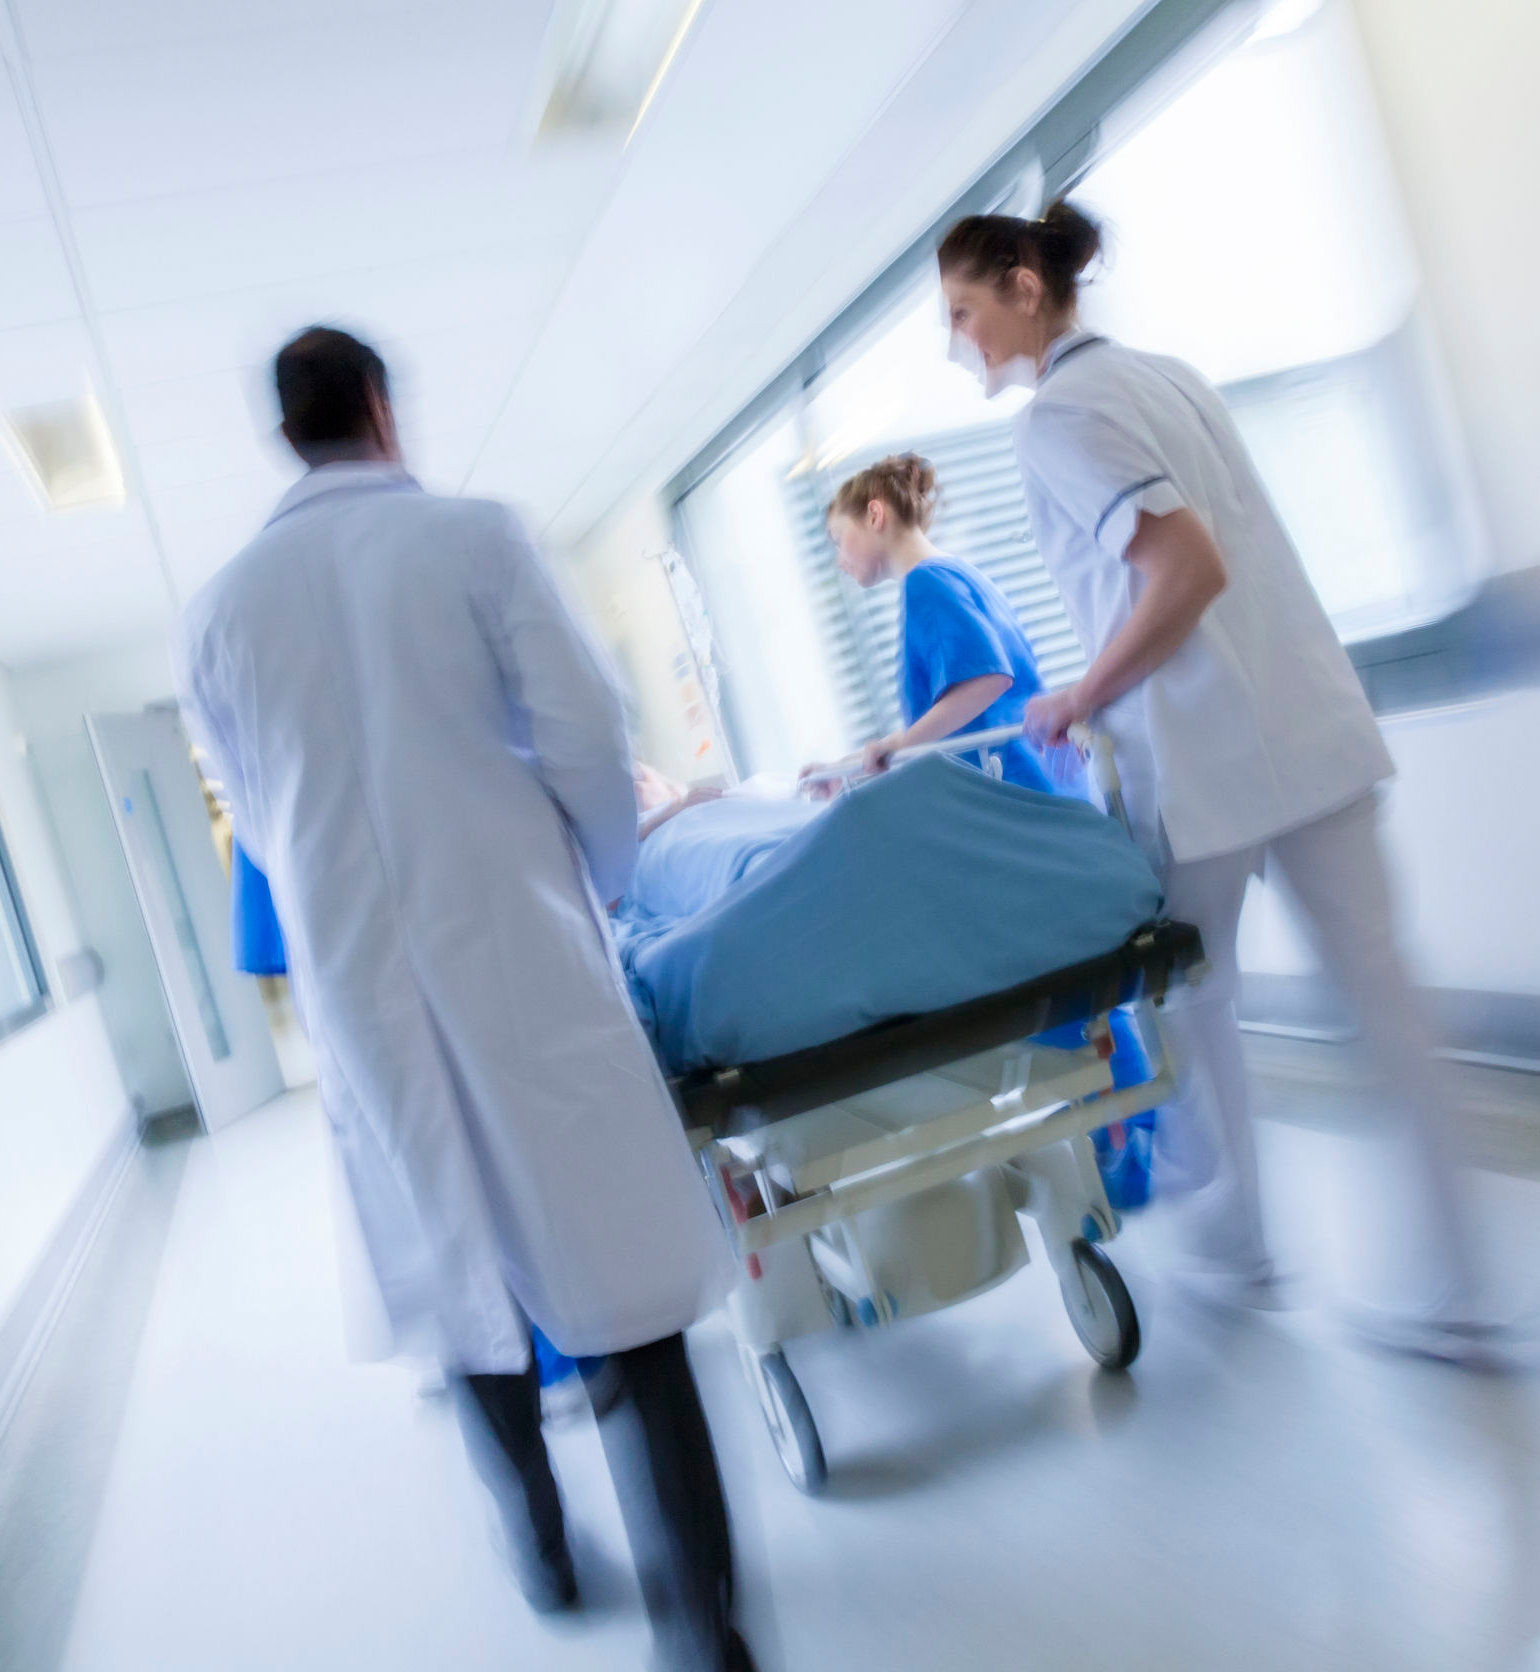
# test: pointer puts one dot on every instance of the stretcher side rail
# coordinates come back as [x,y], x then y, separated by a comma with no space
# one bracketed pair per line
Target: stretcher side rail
[1006,1131]
[777,1087]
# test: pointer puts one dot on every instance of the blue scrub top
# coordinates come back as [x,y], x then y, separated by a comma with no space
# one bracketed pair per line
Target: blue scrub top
[955,625]
[254,931]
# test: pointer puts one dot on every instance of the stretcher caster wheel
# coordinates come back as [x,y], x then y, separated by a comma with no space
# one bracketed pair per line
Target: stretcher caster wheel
[1100,1308]
[791,1425]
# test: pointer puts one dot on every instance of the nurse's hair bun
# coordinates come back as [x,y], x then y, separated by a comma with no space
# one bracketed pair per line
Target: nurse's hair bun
[988,249]
[905,483]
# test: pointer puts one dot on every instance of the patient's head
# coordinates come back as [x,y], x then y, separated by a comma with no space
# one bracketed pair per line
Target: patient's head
[877,510]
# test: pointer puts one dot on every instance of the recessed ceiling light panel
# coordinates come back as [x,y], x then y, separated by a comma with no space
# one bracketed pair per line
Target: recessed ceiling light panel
[605,60]
[66,451]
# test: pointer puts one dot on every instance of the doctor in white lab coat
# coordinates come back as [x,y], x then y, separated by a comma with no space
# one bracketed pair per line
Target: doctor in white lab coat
[428,761]
[1242,734]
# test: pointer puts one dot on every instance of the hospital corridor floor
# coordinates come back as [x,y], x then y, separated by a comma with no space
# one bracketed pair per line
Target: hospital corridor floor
[201,1479]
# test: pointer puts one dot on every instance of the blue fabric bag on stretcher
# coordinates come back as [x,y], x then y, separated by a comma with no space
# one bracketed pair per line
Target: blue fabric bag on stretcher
[1123,1150]
[927,887]
[254,931]
[554,1366]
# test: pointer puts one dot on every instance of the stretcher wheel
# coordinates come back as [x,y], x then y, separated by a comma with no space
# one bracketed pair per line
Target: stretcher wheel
[792,1429]
[1100,1308]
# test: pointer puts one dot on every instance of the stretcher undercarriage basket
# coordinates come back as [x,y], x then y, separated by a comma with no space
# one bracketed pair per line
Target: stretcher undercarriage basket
[880,1176]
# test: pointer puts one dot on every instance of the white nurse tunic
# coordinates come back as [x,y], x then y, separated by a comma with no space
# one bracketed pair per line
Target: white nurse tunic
[1258,724]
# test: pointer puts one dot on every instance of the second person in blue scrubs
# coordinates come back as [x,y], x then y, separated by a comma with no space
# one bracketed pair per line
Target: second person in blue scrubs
[964,662]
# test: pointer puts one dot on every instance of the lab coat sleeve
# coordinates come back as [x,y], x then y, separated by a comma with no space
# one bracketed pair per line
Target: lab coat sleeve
[559,680]
[194,652]
[1101,470]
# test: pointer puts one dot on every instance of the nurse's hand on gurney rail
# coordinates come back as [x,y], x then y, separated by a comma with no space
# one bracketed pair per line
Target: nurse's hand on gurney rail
[1184,572]
[1050,716]
[874,759]
[957,707]
[825,791]
[877,755]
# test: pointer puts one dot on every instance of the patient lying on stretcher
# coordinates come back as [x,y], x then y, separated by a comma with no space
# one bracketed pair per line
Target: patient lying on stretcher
[659,798]
[759,926]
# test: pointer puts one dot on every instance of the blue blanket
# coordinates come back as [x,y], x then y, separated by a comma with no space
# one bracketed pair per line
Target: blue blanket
[926,887]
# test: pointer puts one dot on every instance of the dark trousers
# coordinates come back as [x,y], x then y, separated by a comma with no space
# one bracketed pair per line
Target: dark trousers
[659,1451]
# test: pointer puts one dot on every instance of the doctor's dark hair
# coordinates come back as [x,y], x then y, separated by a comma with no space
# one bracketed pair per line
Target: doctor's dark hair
[987,249]
[325,380]
[905,483]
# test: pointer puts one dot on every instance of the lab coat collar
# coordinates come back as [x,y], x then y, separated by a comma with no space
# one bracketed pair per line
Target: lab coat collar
[346,476]
[1062,347]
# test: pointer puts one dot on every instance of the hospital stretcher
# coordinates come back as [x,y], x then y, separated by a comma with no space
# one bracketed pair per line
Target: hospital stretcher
[880,1176]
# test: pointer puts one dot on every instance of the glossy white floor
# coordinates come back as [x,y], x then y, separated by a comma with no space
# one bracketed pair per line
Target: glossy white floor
[1255,1496]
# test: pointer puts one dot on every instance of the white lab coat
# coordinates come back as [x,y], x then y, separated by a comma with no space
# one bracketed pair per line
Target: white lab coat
[427,759]
[1258,724]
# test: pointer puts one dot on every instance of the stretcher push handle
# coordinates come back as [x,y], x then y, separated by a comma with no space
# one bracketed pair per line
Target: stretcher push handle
[1096,751]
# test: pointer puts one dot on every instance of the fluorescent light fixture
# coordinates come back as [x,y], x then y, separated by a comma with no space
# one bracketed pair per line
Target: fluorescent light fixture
[605,61]
[66,451]
[1284,18]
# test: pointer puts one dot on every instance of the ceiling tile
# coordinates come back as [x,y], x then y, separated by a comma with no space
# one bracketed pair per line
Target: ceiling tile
[21,191]
[216,115]
[171,249]
[214,458]
[54,27]
[505,291]
[227,404]
[35,285]
[45,363]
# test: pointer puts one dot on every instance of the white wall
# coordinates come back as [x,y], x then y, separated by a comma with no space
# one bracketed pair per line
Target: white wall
[62,1101]
[1460,825]
[1456,90]
[52,700]
[52,697]
[1456,96]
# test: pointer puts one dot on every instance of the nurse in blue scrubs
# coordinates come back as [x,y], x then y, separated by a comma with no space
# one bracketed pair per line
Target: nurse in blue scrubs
[964,661]
[964,664]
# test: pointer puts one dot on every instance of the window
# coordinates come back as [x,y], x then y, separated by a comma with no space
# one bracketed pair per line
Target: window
[1255,229]
[23,993]
[808,660]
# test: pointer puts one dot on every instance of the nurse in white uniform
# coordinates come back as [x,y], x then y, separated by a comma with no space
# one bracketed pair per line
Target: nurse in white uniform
[1241,730]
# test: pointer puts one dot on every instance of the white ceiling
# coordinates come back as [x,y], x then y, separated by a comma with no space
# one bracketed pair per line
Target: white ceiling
[563,324]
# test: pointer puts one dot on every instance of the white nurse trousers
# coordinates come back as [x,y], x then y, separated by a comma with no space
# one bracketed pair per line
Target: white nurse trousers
[1335,869]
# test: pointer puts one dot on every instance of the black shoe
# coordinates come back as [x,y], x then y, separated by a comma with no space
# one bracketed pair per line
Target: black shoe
[738,1657]
[549,1587]
[549,1583]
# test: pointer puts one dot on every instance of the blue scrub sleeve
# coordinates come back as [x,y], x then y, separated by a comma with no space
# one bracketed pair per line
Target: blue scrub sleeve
[948,638]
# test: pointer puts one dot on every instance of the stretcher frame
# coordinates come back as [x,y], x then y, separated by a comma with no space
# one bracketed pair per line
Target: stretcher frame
[797,1148]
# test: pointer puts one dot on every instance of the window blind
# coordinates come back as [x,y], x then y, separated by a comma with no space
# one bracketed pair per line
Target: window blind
[981,517]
